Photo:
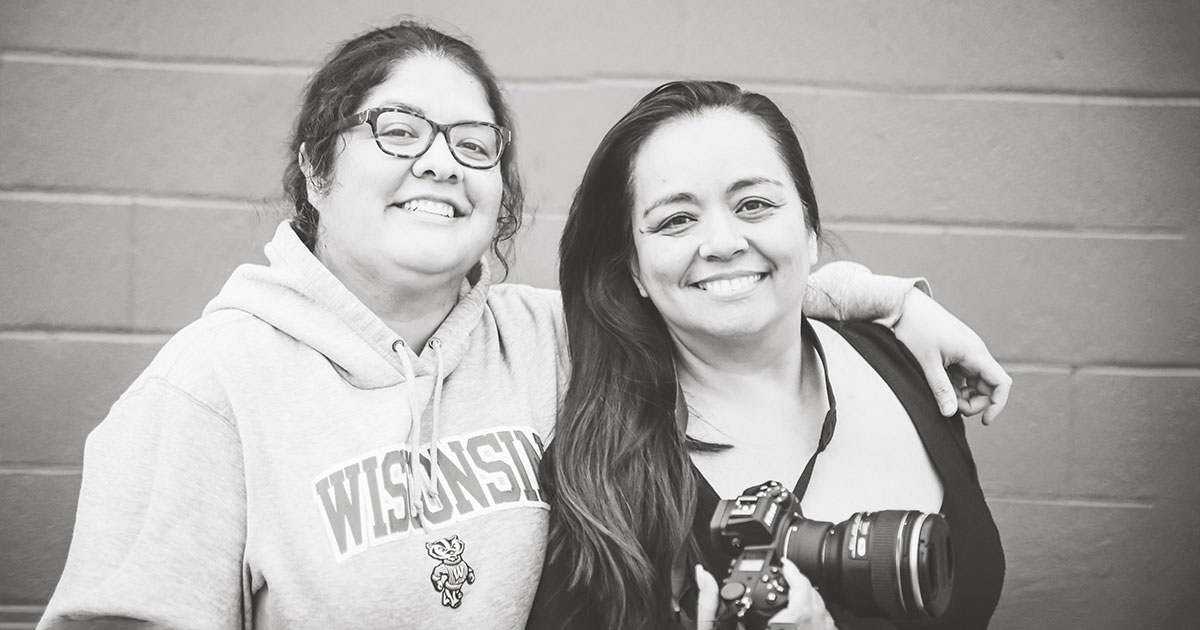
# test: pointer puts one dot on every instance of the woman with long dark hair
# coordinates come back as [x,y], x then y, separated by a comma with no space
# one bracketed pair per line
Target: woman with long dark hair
[695,374]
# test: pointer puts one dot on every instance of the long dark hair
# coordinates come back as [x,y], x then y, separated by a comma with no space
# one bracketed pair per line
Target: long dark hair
[620,479]
[338,89]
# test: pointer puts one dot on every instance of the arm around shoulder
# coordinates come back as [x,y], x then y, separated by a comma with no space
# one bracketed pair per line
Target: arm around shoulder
[961,372]
[160,528]
[847,291]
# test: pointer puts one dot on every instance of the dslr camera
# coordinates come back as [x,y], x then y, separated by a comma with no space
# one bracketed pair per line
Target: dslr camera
[893,563]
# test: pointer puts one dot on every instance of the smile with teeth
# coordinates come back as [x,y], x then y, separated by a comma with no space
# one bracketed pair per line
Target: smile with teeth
[428,206]
[730,285]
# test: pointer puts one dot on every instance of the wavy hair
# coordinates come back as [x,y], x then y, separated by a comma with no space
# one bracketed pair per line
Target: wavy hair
[620,480]
[337,90]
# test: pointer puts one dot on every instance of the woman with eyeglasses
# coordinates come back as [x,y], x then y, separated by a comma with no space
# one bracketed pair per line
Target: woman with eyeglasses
[350,436]
[697,373]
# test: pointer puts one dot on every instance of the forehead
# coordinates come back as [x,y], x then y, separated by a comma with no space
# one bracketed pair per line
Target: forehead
[707,151]
[438,87]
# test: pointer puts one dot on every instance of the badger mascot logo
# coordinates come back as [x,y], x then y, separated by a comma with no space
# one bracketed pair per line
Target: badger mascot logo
[452,572]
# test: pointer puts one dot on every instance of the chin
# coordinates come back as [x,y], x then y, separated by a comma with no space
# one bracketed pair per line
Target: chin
[731,330]
[434,267]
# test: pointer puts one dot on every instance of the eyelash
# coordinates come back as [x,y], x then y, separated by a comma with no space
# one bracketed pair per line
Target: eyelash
[754,214]
[665,224]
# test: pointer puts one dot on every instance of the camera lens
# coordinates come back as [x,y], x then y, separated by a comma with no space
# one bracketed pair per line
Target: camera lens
[893,563]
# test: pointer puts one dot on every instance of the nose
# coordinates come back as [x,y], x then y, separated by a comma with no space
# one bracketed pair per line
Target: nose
[437,162]
[723,238]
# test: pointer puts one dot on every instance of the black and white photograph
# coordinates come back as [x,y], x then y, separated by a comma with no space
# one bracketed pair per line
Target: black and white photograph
[711,315]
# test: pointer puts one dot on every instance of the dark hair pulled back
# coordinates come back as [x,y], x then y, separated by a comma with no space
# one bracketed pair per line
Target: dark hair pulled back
[337,90]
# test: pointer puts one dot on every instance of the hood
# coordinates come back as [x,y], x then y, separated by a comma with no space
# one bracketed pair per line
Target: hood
[299,296]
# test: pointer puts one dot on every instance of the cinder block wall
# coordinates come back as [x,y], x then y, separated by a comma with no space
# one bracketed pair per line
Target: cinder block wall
[1039,162]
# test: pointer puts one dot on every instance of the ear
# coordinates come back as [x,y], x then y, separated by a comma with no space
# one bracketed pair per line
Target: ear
[635,272]
[302,160]
[306,167]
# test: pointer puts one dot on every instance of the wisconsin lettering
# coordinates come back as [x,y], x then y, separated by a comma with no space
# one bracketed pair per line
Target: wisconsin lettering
[364,501]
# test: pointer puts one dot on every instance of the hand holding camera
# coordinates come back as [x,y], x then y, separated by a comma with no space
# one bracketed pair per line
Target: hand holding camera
[894,563]
[804,610]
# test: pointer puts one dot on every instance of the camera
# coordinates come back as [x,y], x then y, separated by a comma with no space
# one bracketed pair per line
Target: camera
[896,564]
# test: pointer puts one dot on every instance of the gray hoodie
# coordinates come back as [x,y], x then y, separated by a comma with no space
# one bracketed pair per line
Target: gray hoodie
[273,468]
[261,468]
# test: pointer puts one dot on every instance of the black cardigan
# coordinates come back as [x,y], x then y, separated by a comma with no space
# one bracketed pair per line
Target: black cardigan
[978,554]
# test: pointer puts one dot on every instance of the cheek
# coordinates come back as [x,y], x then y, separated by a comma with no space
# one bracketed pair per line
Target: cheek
[662,265]
[485,191]
[350,183]
[794,244]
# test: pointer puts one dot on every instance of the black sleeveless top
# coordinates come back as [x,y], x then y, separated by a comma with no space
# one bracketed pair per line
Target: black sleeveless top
[978,554]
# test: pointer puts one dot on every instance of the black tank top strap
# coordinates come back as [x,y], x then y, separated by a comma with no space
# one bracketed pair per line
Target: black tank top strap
[979,555]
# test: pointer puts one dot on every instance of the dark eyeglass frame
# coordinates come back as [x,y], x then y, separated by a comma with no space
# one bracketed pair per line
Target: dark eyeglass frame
[371,116]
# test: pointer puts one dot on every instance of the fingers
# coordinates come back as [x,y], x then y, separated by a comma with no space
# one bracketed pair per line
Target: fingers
[973,395]
[988,386]
[971,404]
[706,602]
[1002,385]
[944,391]
[806,608]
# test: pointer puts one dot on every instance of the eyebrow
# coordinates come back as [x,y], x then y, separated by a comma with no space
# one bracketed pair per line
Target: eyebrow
[680,197]
[406,106]
[421,112]
[750,181]
[683,197]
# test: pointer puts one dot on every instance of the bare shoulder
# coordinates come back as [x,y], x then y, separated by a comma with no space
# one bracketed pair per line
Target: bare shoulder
[875,450]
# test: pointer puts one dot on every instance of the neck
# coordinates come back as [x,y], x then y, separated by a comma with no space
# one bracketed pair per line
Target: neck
[413,307]
[728,366]
[415,318]
[768,386]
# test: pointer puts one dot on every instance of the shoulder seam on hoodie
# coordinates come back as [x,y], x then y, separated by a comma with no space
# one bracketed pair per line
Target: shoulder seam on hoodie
[171,387]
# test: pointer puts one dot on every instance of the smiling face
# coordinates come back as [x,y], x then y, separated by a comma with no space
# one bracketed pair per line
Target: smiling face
[409,222]
[721,245]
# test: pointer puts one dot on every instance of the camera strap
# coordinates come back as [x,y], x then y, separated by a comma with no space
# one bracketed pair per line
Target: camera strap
[830,423]
[827,427]
[679,572]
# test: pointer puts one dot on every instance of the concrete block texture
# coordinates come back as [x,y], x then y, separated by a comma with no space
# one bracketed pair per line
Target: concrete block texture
[1072,46]
[1134,436]
[1062,164]
[146,129]
[1036,161]
[122,264]
[38,516]
[58,387]
[184,254]
[535,252]
[1056,299]
[65,264]
[1026,453]
[558,128]
[1094,434]
[222,133]
[1080,565]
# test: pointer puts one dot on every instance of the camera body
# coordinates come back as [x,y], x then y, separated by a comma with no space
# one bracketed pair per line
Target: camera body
[751,528]
[893,563]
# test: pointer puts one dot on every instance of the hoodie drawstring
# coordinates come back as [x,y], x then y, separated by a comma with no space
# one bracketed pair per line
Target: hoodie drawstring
[435,471]
[414,432]
[422,491]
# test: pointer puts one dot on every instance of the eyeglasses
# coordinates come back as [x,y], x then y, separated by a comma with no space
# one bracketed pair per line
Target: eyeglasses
[407,134]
